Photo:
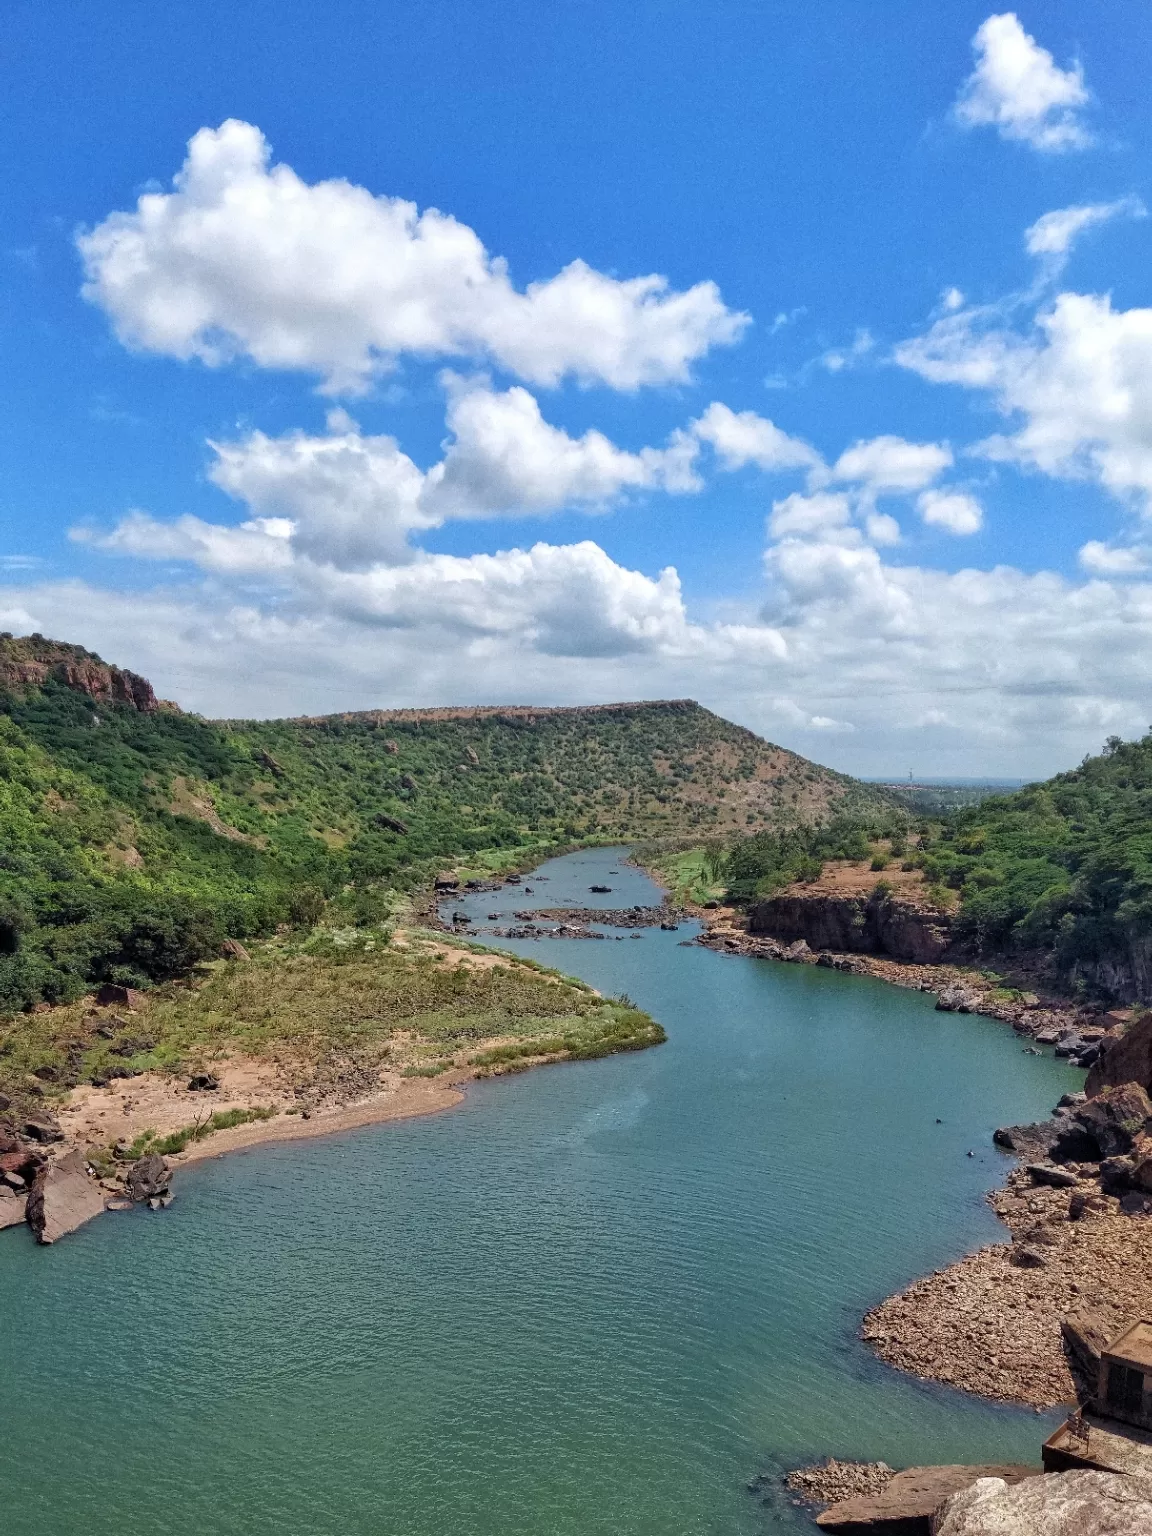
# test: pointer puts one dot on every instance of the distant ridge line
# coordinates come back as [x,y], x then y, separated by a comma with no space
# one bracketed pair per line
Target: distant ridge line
[487,712]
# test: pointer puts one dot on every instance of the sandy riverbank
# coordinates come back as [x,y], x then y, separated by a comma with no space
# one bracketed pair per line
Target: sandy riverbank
[157,1102]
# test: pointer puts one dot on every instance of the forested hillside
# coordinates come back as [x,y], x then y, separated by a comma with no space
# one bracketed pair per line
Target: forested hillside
[134,837]
[1060,870]
[1064,865]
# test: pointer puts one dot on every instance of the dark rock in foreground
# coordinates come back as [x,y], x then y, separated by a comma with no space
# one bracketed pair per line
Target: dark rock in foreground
[148,1178]
[43,1128]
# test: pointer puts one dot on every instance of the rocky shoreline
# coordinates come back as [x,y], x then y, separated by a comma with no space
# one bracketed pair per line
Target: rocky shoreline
[50,1179]
[1015,1322]
[1074,1030]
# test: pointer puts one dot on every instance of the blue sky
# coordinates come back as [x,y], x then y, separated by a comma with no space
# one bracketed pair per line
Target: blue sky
[858,469]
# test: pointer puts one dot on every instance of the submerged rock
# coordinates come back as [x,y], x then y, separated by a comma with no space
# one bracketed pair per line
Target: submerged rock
[62,1198]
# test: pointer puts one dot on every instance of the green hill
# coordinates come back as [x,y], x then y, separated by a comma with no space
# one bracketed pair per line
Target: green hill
[1057,874]
[134,837]
[1063,867]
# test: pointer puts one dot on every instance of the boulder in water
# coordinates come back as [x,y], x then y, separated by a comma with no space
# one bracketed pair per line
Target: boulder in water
[148,1178]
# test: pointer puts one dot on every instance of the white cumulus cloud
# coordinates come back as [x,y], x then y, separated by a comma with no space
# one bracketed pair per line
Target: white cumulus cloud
[355,500]
[1103,559]
[892,465]
[1077,385]
[1055,233]
[245,259]
[743,437]
[1018,89]
[955,511]
[505,458]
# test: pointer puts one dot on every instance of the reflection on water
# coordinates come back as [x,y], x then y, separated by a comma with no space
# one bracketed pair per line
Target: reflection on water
[596,1300]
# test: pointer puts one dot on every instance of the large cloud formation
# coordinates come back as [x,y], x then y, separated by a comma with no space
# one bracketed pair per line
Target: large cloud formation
[326,582]
[243,258]
[1018,89]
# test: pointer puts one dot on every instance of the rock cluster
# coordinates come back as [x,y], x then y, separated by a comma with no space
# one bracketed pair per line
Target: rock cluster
[832,1481]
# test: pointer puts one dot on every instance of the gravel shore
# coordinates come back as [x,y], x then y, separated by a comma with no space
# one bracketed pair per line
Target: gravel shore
[991,1325]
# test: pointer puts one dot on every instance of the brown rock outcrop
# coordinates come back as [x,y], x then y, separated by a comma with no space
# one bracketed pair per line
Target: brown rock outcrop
[62,1198]
[910,1499]
[878,923]
[30,661]
[1115,1117]
[1058,1504]
[1125,1057]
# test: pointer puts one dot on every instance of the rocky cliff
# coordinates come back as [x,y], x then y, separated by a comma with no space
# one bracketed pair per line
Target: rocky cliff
[1125,1057]
[879,922]
[29,662]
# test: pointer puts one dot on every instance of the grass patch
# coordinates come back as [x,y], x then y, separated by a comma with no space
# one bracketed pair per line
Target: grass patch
[617,1027]
[433,1069]
[178,1141]
[329,1015]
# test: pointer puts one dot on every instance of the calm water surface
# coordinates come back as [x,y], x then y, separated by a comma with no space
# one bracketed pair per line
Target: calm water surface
[597,1299]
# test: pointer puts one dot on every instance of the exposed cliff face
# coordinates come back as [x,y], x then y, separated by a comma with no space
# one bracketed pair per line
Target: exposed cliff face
[1126,976]
[880,922]
[1125,1058]
[30,661]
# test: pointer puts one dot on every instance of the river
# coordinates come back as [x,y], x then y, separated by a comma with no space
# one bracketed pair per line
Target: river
[596,1300]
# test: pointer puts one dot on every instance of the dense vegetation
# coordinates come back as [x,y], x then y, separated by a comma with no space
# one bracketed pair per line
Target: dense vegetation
[765,862]
[941,799]
[134,838]
[1063,868]
[1065,865]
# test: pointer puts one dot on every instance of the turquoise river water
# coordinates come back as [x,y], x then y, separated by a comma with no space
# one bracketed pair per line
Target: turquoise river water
[596,1300]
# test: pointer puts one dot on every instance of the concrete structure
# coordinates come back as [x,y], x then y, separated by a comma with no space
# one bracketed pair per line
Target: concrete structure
[1125,1390]
[1113,1432]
